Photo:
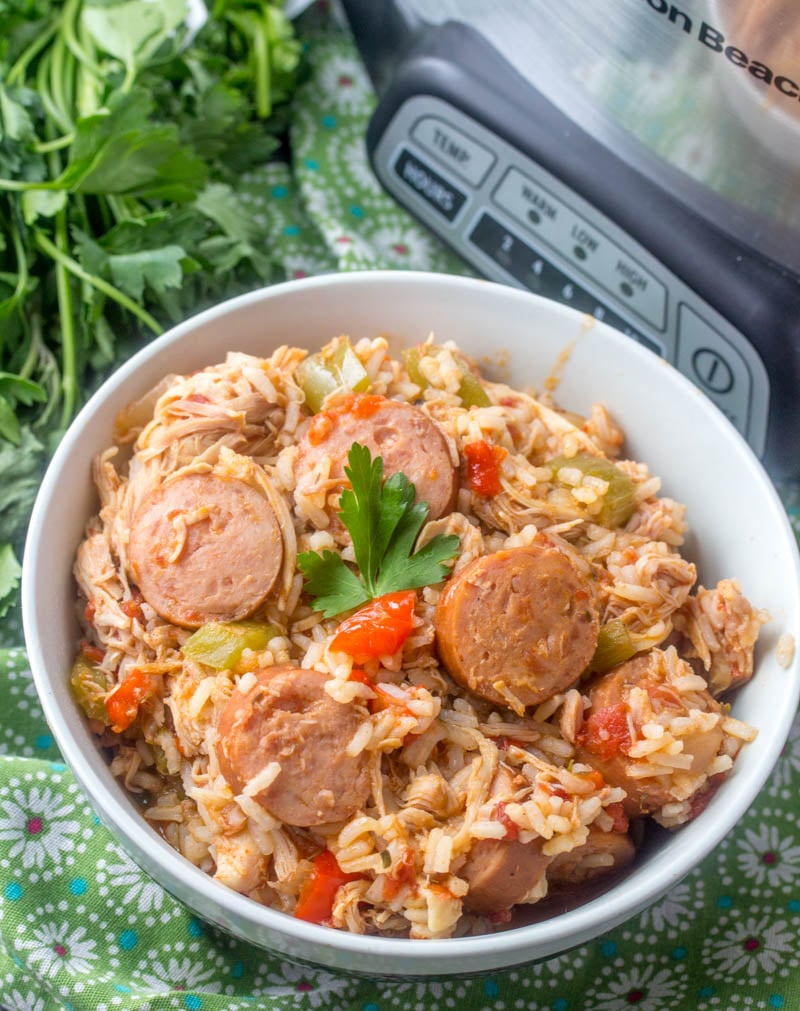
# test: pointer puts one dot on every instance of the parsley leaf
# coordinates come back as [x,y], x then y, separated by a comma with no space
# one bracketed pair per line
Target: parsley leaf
[125,129]
[336,587]
[384,522]
[10,574]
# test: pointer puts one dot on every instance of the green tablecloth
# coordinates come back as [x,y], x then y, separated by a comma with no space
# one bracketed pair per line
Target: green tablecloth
[82,928]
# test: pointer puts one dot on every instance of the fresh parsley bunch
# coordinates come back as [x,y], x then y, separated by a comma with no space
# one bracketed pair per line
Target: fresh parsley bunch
[122,140]
[384,521]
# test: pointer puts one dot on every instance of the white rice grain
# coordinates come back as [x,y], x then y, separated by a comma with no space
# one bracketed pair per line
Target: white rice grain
[266,777]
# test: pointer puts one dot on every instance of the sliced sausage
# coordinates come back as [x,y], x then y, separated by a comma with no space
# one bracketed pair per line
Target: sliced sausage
[287,717]
[601,854]
[205,548]
[611,724]
[501,872]
[517,625]
[407,440]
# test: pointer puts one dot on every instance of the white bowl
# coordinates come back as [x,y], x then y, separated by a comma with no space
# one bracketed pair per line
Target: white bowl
[739,528]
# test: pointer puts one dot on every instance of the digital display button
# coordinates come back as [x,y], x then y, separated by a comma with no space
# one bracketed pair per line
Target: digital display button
[436,191]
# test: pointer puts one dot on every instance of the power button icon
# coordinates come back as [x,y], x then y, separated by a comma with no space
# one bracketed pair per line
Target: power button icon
[712,371]
[725,366]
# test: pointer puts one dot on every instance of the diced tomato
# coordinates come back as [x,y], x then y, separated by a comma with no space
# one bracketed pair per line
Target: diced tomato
[386,699]
[483,467]
[403,875]
[617,812]
[320,428]
[594,777]
[362,405]
[554,790]
[122,705]
[89,612]
[605,732]
[318,894]
[133,606]
[92,653]
[511,827]
[361,676]
[378,629]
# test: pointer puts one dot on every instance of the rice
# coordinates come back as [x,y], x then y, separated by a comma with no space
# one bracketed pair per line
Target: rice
[446,771]
[785,650]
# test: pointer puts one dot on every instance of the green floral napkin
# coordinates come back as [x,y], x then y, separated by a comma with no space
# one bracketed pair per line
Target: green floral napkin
[81,927]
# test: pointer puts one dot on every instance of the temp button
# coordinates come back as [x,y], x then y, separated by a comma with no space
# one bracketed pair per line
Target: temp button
[456,150]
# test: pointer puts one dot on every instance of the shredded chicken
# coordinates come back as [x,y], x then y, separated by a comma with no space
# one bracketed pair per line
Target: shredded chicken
[722,627]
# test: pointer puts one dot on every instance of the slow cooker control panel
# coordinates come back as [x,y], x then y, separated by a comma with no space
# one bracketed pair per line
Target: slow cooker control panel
[516,223]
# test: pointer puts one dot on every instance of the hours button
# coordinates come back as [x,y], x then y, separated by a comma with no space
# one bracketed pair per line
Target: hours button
[436,191]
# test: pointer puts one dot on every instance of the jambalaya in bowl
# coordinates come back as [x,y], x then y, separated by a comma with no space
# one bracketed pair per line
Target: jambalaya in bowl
[387,646]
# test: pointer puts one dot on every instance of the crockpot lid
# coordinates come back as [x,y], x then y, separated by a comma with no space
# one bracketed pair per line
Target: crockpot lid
[702,94]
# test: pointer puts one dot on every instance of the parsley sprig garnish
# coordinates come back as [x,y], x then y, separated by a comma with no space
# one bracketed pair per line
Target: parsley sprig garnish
[384,521]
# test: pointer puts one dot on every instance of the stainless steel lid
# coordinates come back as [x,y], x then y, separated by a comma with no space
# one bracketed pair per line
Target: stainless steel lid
[703,95]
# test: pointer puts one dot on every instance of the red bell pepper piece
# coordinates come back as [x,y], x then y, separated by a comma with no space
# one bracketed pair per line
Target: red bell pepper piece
[315,903]
[122,704]
[377,629]
[483,467]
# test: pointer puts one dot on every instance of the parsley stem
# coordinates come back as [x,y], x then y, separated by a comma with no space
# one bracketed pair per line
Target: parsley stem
[57,144]
[90,79]
[27,367]
[130,77]
[32,50]
[117,207]
[42,355]
[69,385]
[22,185]
[22,263]
[75,268]
[61,79]
[43,88]
[68,20]
[261,56]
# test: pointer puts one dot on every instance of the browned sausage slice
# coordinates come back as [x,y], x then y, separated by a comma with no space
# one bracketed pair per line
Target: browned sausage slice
[518,625]
[500,873]
[287,717]
[605,736]
[205,548]
[601,854]
[408,441]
